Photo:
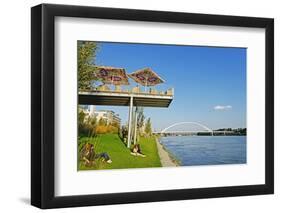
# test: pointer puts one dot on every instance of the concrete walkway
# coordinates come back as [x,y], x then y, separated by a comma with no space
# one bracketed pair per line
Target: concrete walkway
[165,158]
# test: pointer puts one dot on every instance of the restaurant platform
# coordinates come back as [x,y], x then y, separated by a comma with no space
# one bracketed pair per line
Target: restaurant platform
[122,98]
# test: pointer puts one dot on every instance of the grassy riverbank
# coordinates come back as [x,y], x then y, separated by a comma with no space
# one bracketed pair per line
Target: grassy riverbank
[120,154]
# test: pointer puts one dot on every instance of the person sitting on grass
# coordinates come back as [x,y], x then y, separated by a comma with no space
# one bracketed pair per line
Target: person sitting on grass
[136,150]
[88,155]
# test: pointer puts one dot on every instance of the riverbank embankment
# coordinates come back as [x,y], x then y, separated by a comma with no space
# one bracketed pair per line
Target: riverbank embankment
[165,157]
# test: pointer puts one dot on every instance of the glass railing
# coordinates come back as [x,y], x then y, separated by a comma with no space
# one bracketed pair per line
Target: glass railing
[157,90]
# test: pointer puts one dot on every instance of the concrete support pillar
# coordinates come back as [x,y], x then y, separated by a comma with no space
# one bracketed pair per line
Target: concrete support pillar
[130,122]
[135,127]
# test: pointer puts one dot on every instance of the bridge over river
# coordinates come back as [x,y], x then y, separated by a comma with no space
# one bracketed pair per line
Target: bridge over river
[204,130]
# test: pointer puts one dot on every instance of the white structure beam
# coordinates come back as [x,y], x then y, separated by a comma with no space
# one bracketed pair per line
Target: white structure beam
[135,127]
[130,122]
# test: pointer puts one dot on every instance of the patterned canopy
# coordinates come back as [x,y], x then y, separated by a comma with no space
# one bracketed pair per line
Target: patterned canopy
[112,75]
[146,77]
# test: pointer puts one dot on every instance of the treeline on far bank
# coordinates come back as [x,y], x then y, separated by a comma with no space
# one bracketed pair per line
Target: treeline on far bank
[226,132]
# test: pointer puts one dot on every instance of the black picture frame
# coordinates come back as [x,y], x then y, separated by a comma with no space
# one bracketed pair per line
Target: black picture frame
[43,110]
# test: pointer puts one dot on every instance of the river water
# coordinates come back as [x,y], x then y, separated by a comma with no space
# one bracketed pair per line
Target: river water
[206,150]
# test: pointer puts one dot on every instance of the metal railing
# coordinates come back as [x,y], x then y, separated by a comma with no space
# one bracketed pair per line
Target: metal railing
[134,90]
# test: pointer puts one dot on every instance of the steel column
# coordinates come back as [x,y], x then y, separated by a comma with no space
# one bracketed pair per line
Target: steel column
[130,122]
[135,127]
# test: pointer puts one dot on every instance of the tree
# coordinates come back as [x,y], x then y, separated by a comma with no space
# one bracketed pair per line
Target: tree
[138,122]
[81,119]
[115,124]
[124,131]
[148,128]
[102,122]
[86,63]
[140,117]
[86,124]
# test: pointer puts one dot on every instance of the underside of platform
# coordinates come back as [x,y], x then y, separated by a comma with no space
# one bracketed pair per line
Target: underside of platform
[123,99]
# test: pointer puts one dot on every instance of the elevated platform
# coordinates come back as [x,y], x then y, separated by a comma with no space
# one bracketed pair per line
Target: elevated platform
[114,98]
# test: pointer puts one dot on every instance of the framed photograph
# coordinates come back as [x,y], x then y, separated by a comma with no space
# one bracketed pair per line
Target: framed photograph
[139,106]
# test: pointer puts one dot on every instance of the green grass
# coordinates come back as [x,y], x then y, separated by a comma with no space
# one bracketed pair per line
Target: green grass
[120,154]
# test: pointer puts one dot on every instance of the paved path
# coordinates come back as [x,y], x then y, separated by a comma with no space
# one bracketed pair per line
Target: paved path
[165,158]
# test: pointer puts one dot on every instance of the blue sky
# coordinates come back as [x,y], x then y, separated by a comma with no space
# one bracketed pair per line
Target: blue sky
[209,82]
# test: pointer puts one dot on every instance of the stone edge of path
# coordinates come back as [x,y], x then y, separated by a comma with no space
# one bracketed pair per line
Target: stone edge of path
[165,158]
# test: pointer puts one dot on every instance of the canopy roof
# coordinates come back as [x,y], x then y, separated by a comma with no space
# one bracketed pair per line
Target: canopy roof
[146,77]
[112,75]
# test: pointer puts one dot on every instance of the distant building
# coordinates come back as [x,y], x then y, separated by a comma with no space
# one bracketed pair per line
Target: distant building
[108,115]
[88,109]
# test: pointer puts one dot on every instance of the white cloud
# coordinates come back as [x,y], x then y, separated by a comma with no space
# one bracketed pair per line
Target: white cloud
[221,108]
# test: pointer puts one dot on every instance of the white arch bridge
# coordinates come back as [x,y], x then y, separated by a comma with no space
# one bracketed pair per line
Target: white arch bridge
[206,129]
